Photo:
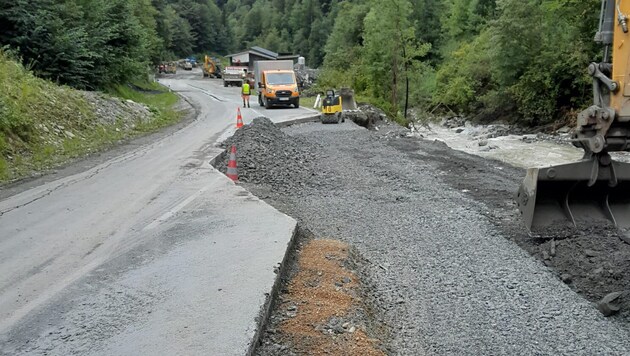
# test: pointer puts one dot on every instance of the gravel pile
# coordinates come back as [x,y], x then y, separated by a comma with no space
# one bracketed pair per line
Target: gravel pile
[306,76]
[265,154]
[110,110]
[444,277]
[367,116]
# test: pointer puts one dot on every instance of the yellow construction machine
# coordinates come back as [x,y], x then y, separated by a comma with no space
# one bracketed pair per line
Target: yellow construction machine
[334,104]
[596,190]
[210,68]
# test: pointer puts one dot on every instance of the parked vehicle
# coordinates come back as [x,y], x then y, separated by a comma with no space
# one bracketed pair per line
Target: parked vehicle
[167,68]
[234,76]
[276,83]
[193,61]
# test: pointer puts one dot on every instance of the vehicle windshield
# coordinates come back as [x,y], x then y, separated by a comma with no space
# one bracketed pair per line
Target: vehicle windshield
[280,79]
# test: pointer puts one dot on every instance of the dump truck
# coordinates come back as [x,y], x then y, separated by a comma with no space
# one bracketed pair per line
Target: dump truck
[234,76]
[596,190]
[276,83]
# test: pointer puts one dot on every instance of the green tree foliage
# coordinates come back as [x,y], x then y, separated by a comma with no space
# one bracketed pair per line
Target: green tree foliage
[374,48]
[97,43]
[522,60]
[526,62]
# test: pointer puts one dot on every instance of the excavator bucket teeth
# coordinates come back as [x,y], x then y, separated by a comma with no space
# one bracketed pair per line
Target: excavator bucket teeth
[347,99]
[575,195]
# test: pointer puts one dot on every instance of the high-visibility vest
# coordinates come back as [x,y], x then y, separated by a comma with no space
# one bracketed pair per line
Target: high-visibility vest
[246,89]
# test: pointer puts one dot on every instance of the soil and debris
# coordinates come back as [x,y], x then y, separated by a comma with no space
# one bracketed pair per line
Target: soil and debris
[110,110]
[319,311]
[306,77]
[436,234]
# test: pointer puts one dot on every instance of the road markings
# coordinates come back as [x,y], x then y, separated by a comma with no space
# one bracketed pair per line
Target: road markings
[169,214]
[215,97]
[257,112]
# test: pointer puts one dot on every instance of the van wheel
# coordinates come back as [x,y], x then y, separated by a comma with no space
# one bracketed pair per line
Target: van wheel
[267,104]
[296,103]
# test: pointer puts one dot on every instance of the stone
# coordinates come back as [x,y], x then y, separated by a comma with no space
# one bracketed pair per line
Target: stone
[545,255]
[590,253]
[564,129]
[566,278]
[606,305]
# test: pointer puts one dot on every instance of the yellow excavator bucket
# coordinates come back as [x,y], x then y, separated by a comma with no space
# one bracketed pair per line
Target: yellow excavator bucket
[581,195]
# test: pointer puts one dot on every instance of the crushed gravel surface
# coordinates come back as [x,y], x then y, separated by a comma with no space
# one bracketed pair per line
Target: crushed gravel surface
[267,155]
[439,237]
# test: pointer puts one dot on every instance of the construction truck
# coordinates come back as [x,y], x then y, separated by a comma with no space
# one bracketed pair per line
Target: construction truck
[276,83]
[171,68]
[595,190]
[211,68]
[234,76]
[334,104]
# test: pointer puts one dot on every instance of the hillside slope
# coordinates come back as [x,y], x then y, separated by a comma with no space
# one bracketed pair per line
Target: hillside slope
[43,125]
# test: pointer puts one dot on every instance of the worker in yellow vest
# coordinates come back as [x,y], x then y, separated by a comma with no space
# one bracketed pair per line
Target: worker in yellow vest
[246,91]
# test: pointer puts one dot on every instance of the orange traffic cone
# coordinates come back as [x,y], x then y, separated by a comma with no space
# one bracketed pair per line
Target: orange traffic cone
[239,119]
[232,171]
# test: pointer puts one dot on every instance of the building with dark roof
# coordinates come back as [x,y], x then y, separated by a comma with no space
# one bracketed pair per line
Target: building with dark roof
[255,53]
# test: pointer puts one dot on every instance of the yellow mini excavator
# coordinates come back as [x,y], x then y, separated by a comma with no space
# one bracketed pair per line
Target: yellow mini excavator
[596,190]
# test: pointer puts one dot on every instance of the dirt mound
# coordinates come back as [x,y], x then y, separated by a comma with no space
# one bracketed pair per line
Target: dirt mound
[265,154]
[367,116]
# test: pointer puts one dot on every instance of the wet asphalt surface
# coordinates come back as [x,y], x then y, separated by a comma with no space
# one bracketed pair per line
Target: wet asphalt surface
[110,255]
[445,261]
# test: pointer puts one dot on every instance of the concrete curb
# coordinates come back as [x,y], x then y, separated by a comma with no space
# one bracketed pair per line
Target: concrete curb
[265,313]
[302,120]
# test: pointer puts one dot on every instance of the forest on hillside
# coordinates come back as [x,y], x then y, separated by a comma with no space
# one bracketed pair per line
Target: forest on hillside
[519,60]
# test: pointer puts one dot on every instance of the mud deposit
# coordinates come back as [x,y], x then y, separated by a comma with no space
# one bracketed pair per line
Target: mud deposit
[319,310]
[437,236]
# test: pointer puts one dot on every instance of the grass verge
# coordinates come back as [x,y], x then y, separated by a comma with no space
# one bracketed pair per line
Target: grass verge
[158,98]
[44,125]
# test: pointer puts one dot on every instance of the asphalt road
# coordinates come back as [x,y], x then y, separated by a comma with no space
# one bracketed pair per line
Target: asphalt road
[69,248]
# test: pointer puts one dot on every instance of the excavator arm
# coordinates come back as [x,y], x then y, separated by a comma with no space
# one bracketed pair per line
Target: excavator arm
[595,190]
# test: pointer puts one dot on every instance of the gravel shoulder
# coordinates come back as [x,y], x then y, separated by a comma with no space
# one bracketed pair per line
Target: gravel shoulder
[438,239]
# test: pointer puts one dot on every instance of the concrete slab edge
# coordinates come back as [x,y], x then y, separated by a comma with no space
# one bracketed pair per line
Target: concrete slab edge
[265,313]
[302,120]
